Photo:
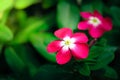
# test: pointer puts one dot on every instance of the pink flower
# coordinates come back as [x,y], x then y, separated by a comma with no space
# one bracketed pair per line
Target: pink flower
[95,23]
[69,45]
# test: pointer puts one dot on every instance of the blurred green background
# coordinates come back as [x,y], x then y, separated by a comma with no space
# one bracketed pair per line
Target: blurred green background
[27,26]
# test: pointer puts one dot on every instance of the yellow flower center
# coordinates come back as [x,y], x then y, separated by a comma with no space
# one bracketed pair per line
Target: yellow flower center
[67,42]
[95,20]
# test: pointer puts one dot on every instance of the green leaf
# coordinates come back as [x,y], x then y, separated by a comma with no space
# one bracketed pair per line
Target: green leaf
[94,52]
[101,42]
[5,33]
[21,18]
[52,72]
[84,69]
[110,73]
[21,4]
[34,25]
[1,47]
[27,54]
[87,7]
[115,11]
[1,15]
[24,34]
[98,47]
[40,42]
[105,57]
[5,4]
[91,6]
[4,16]
[14,61]
[67,15]
[48,3]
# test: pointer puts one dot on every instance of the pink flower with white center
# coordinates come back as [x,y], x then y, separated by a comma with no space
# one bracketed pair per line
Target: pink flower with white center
[95,23]
[69,45]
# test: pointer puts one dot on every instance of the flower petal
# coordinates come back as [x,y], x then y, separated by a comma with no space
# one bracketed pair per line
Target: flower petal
[83,25]
[86,14]
[63,32]
[107,24]
[80,51]
[97,14]
[53,46]
[80,37]
[63,57]
[96,32]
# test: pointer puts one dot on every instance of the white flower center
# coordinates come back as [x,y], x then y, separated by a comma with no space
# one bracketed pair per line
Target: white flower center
[67,43]
[94,21]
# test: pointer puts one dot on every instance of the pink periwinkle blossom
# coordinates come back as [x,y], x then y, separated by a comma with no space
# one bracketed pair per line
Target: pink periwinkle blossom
[95,23]
[69,45]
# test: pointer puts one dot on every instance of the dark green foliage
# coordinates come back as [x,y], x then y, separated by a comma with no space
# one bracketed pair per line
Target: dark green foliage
[5,33]
[27,27]
[67,15]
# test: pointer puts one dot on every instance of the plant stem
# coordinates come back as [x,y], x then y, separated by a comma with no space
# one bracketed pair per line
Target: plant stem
[92,42]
